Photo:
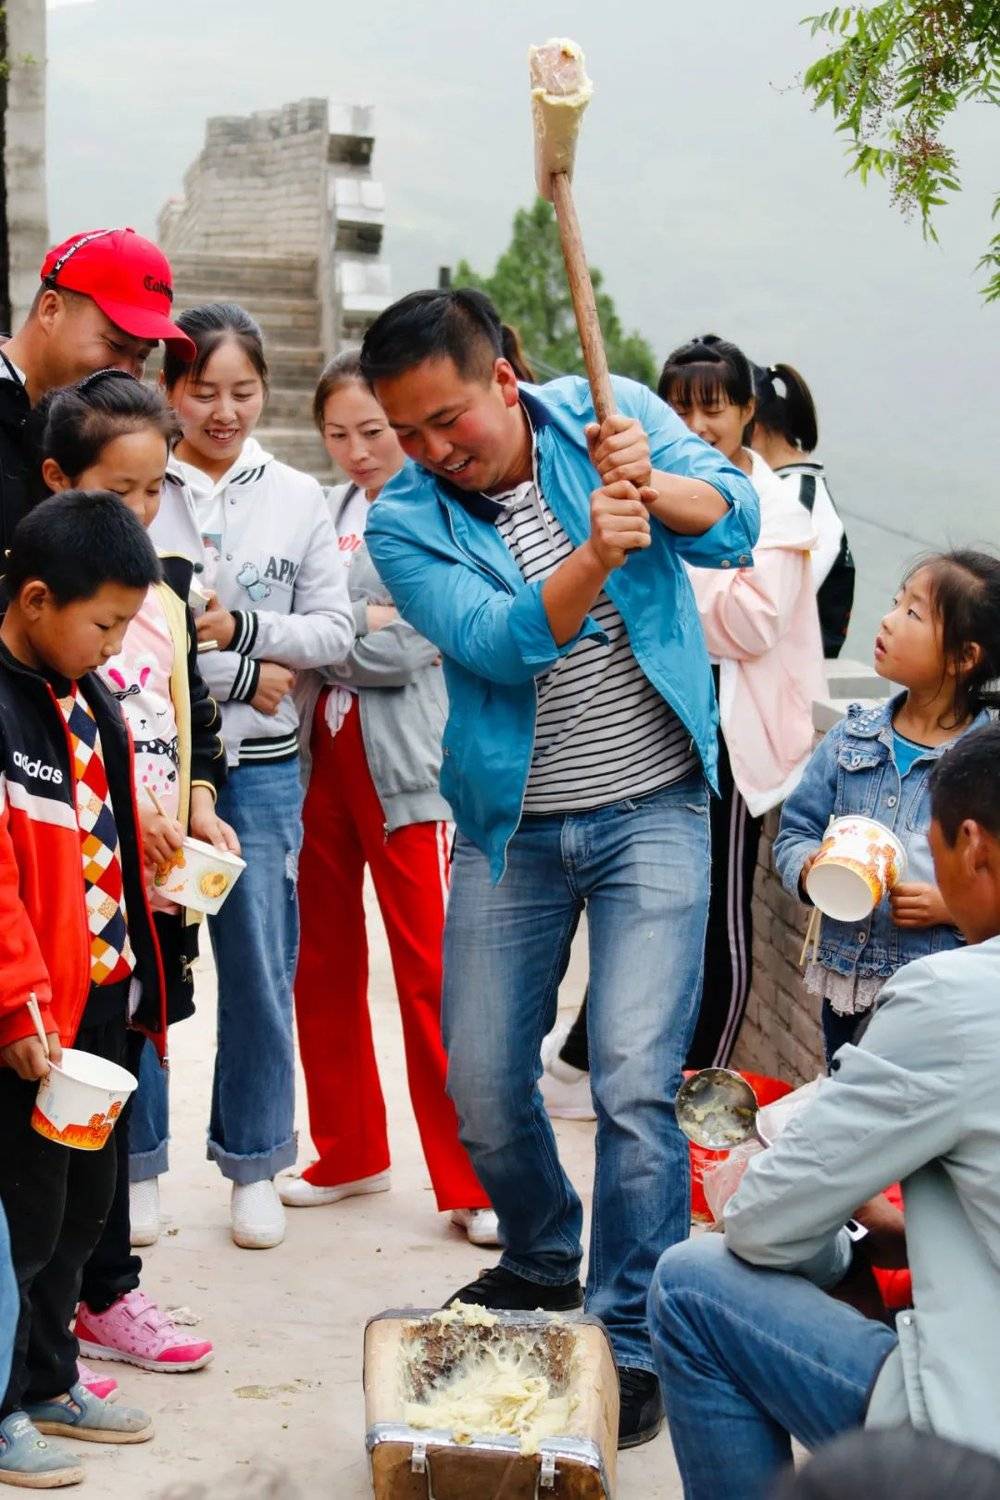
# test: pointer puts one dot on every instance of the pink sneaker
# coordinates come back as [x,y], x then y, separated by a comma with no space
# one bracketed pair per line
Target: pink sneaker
[134,1330]
[104,1387]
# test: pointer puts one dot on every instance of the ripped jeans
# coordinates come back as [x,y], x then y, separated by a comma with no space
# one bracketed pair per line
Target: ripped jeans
[255,938]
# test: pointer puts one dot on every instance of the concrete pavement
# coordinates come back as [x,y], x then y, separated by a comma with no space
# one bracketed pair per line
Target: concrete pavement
[287,1324]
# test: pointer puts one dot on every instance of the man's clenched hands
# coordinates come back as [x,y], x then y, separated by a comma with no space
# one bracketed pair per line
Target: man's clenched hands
[619,449]
[619,524]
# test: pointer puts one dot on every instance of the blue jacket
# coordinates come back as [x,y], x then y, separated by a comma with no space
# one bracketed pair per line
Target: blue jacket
[854,771]
[454,580]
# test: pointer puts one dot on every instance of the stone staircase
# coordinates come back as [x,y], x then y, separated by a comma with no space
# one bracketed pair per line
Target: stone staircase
[280,291]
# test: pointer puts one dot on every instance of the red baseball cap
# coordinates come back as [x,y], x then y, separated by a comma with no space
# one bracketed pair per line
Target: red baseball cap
[128,277]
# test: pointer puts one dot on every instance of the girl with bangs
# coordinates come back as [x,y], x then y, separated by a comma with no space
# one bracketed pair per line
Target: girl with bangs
[763,635]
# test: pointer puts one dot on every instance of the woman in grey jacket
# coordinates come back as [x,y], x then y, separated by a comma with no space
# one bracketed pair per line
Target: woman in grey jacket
[371,752]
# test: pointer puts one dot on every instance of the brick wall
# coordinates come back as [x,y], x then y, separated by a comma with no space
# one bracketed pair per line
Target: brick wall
[259,184]
[781,1033]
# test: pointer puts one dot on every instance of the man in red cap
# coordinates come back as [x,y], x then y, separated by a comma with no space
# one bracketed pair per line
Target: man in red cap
[104,301]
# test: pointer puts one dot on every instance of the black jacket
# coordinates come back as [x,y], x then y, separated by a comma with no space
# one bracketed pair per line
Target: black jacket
[17,457]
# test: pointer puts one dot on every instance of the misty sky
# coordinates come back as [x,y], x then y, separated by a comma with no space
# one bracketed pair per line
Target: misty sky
[710,195]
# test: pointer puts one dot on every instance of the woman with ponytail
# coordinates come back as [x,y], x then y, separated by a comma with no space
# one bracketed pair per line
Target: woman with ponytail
[785,433]
[763,636]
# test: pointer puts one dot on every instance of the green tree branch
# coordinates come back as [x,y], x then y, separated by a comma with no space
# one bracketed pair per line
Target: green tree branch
[894,75]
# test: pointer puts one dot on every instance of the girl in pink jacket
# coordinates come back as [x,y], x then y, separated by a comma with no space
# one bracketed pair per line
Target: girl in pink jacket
[762,630]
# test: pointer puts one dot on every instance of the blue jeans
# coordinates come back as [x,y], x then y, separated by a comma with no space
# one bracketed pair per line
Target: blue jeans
[641,870]
[10,1303]
[149,1122]
[748,1356]
[255,938]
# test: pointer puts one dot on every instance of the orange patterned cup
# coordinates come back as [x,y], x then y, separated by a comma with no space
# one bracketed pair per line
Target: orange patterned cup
[858,864]
[80,1099]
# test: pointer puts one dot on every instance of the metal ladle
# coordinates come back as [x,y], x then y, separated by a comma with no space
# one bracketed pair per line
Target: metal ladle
[717,1109]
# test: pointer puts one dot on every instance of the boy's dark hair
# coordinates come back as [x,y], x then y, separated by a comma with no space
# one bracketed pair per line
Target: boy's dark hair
[785,406]
[704,369]
[460,324]
[895,1460]
[78,421]
[965,589]
[965,783]
[77,542]
[207,327]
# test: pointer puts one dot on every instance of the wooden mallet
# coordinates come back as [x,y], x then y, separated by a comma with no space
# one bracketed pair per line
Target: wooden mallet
[560,92]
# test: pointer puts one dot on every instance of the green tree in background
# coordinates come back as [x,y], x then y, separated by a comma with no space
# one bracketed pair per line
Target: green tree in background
[528,286]
[893,75]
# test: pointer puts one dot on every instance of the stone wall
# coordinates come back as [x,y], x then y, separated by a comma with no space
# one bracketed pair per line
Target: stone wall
[781,1033]
[27,226]
[258,185]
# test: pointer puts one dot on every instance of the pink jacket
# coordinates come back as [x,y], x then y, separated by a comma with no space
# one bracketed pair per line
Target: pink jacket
[762,626]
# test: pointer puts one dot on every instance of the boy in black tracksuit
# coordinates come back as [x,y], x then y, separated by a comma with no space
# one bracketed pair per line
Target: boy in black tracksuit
[75,931]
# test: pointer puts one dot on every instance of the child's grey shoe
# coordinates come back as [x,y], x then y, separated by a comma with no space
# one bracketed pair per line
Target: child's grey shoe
[80,1414]
[28,1461]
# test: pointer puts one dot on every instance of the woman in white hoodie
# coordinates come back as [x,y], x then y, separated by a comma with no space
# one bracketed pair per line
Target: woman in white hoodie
[261,535]
[762,630]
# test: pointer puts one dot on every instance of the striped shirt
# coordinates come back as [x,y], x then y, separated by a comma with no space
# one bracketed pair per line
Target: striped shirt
[602,731]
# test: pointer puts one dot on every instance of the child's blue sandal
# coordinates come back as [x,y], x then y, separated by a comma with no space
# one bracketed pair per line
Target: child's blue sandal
[84,1416]
[28,1461]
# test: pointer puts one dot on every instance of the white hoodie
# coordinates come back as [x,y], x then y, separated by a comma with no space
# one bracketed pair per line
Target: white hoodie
[262,538]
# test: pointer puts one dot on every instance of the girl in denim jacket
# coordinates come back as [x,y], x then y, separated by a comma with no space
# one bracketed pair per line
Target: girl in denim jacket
[941,643]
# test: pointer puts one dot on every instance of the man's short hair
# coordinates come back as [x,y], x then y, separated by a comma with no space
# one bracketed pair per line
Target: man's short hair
[965,783]
[460,324]
[60,291]
[78,541]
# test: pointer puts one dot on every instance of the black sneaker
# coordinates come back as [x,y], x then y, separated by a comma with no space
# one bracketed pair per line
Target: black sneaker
[503,1289]
[641,1413]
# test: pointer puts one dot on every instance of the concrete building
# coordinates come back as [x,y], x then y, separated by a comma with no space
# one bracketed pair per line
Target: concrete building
[280,212]
[26,231]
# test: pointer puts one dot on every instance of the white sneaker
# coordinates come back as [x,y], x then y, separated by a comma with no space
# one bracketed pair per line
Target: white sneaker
[144,1211]
[480,1225]
[298,1193]
[565,1089]
[258,1219]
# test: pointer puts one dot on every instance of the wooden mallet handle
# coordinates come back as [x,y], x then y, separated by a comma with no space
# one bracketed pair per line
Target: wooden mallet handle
[581,290]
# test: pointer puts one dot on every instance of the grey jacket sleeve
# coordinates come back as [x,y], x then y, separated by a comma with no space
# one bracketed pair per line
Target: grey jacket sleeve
[320,628]
[383,658]
[893,1105]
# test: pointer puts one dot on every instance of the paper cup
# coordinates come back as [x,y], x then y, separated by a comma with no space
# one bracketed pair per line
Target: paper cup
[79,1101]
[858,864]
[199,876]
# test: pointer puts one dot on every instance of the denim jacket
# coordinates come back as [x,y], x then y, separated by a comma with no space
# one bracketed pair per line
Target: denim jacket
[853,773]
[455,581]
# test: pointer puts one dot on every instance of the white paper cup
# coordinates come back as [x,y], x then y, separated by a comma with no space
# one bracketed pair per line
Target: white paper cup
[199,876]
[79,1101]
[858,864]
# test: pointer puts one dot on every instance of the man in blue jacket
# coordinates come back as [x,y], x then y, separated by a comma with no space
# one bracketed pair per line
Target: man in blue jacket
[578,754]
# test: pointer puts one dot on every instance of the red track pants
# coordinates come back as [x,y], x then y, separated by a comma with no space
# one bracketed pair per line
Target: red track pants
[345,830]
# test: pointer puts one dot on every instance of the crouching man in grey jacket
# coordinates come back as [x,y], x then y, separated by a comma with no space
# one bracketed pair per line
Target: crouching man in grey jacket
[749,1348]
